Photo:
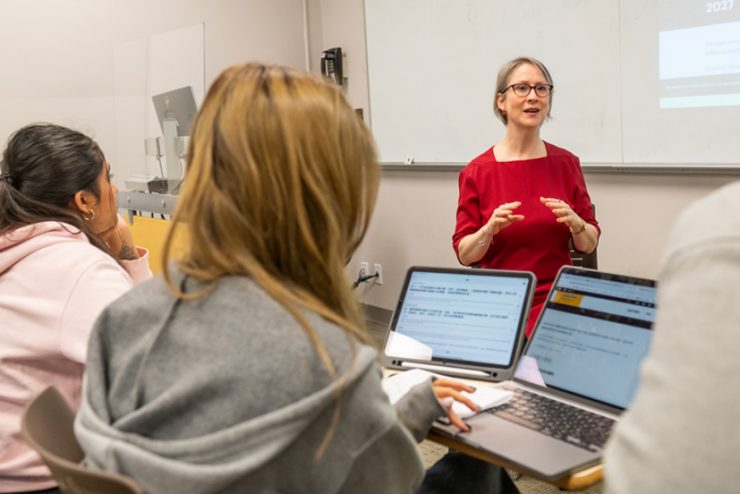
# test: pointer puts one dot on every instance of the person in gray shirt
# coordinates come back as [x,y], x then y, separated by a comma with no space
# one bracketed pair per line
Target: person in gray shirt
[245,367]
[680,434]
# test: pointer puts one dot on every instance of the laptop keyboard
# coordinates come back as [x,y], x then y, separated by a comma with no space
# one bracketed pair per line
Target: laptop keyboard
[573,425]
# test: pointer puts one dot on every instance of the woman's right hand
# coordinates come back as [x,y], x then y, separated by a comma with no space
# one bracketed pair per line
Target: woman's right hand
[502,217]
[473,247]
[448,390]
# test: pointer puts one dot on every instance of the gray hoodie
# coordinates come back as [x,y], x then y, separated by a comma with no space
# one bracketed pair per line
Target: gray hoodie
[226,393]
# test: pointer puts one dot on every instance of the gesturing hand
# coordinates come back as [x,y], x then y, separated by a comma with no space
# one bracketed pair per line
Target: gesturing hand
[446,389]
[503,216]
[564,214]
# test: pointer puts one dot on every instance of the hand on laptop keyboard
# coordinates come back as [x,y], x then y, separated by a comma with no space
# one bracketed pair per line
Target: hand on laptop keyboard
[444,389]
[485,397]
[459,399]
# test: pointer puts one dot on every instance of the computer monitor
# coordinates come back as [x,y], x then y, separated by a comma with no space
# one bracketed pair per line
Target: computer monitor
[178,105]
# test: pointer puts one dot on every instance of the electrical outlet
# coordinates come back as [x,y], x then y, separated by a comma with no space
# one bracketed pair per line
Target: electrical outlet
[364,268]
[378,269]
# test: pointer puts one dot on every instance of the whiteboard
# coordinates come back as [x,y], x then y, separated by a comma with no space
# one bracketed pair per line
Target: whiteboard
[432,66]
[704,42]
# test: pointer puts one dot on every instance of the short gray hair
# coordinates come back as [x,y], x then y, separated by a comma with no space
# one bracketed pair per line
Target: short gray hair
[503,79]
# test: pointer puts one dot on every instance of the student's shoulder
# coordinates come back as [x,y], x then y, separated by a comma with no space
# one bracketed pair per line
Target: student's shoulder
[242,302]
[66,261]
[701,224]
[144,301]
[63,242]
[242,306]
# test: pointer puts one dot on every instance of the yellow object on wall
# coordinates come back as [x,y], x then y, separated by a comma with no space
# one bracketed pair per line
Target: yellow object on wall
[150,234]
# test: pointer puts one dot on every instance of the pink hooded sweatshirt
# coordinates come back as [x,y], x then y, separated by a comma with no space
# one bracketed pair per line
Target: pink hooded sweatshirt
[53,285]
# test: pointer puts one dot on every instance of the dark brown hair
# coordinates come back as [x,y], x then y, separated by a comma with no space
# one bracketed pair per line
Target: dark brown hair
[44,166]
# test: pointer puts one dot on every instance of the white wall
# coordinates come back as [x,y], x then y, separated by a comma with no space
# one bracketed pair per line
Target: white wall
[58,65]
[58,56]
[415,215]
[341,23]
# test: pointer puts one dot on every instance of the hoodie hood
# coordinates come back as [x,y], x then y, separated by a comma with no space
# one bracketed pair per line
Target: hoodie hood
[30,239]
[229,460]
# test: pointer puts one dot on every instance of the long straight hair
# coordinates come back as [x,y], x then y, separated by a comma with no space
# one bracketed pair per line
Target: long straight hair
[44,166]
[280,185]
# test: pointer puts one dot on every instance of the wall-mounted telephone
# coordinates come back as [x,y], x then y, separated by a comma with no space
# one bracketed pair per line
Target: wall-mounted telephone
[331,64]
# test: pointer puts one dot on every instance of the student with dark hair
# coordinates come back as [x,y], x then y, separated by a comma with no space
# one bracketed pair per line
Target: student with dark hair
[64,255]
[247,368]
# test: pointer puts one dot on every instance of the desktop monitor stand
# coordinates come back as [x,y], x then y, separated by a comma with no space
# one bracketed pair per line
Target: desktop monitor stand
[171,156]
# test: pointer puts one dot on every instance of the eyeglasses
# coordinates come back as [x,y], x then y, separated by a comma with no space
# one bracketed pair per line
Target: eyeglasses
[522,89]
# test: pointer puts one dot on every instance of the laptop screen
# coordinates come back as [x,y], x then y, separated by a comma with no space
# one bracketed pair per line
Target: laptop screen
[466,316]
[591,336]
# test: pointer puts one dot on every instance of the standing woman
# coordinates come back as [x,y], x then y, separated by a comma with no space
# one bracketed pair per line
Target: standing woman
[522,200]
[64,255]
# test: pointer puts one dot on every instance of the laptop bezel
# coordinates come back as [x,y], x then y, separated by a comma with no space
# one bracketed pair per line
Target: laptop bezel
[477,370]
[569,395]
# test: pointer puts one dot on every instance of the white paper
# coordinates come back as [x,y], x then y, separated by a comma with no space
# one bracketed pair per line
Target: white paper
[485,397]
[400,345]
[527,370]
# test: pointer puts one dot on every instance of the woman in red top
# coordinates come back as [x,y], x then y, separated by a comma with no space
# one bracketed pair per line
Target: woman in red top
[523,199]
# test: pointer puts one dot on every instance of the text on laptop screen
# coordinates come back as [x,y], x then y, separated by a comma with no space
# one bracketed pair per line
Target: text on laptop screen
[462,316]
[593,332]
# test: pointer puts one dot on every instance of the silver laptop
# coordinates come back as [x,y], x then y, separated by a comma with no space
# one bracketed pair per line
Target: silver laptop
[462,322]
[578,372]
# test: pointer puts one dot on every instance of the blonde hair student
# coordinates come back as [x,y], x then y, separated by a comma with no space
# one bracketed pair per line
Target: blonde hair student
[246,367]
[284,191]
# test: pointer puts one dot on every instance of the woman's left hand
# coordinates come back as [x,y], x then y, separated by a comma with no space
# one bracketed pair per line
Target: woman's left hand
[564,214]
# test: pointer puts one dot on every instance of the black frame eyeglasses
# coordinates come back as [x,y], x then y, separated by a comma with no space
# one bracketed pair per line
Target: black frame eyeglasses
[521,89]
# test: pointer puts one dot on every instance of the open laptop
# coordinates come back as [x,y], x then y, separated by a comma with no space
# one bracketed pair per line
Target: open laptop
[578,372]
[463,322]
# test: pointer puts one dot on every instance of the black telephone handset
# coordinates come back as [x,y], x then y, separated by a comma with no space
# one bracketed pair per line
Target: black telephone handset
[331,64]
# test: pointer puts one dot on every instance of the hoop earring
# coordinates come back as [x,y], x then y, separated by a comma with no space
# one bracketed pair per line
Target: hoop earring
[89,216]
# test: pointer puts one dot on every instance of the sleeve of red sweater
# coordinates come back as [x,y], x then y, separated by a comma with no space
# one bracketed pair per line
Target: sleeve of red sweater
[468,208]
[581,200]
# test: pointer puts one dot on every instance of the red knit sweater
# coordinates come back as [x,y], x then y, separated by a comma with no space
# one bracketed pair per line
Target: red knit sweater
[538,243]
